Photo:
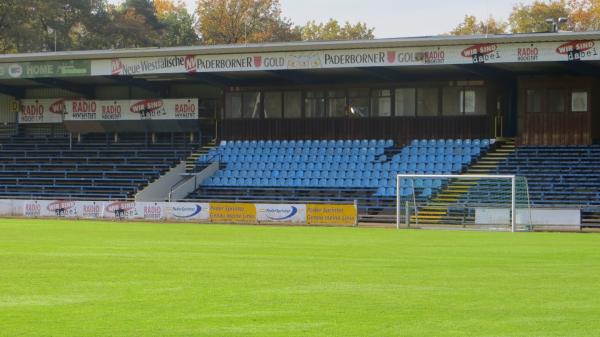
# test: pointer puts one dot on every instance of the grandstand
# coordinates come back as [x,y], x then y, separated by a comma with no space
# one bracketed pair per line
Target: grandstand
[325,122]
[331,170]
[94,167]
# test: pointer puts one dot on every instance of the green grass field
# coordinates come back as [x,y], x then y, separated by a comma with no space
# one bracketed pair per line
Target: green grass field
[69,278]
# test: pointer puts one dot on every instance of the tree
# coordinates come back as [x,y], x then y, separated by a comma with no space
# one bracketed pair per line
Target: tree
[585,15]
[470,26]
[177,24]
[242,21]
[532,18]
[332,30]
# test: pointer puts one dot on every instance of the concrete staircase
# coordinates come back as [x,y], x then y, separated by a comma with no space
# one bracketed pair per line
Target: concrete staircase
[190,161]
[437,212]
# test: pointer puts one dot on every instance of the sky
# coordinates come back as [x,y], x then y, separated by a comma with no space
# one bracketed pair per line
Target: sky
[394,18]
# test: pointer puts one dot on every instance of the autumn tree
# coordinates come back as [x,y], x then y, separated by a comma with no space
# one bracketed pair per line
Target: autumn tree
[332,30]
[585,15]
[472,26]
[242,21]
[177,23]
[532,18]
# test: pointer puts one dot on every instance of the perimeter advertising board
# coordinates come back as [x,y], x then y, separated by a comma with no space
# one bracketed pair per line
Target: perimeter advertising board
[222,212]
[242,213]
[279,213]
[485,52]
[185,211]
[325,214]
[121,110]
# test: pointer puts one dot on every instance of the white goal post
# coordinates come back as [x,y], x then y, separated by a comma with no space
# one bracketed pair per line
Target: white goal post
[472,199]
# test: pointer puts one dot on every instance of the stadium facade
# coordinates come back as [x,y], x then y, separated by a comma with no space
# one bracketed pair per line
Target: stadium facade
[535,89]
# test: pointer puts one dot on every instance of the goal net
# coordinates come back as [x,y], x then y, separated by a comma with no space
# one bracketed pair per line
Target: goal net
[469,201]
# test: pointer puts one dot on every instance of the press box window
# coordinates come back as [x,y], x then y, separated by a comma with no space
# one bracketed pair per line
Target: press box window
[233,105]
[381,102]
[251,105]
[579,101]
[292,101]
[273,104]
[314,104]
[427,101]
[336,103]
[358,102]
[405,102]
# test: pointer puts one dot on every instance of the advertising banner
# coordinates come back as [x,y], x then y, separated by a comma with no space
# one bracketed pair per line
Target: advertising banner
[71,68]
[232,213]
[189,64]
[49,208]
[327,214]
[121,210]
[486,52]
[279,213]
[41,111]
[89,209]
[186,211]
[243,213]
[120,110]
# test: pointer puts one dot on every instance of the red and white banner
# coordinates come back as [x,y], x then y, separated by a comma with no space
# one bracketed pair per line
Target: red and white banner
[41,111]
[485,52]
[120,110]
[189,64]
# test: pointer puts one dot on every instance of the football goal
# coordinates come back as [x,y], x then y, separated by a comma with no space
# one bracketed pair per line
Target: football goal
[478,201]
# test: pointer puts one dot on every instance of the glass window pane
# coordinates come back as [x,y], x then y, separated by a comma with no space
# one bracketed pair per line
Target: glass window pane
[452,101]
[358,92]
[358,102]
[579,101]
[272,103]
[358,107]
[336,107]
[556,100]
[427,101]
[314,104]
[293,104]
[336,103]
[233,104]
[251,105]
[381,103]
[534,100]
[405,102]
[479,101]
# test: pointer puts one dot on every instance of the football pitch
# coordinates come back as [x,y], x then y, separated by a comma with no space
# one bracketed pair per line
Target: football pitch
[85,278]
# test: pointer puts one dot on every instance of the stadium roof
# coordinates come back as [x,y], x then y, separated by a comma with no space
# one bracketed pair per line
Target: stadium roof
[299,46]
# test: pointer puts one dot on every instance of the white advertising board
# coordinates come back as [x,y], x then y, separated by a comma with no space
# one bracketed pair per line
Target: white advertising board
[187,211]
[281,213]
[574,50]
[535,216]
[41,111]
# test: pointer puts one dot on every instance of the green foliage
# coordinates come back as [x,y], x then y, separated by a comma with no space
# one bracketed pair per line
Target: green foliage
[331,30]
[42,25]
[86,278]
[582,15]
[532,18]
[470,26]
[46,25]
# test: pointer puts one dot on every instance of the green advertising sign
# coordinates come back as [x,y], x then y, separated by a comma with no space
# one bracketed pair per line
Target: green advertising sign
[45,69]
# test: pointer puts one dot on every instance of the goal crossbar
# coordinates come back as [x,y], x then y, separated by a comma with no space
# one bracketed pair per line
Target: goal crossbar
[511,177]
